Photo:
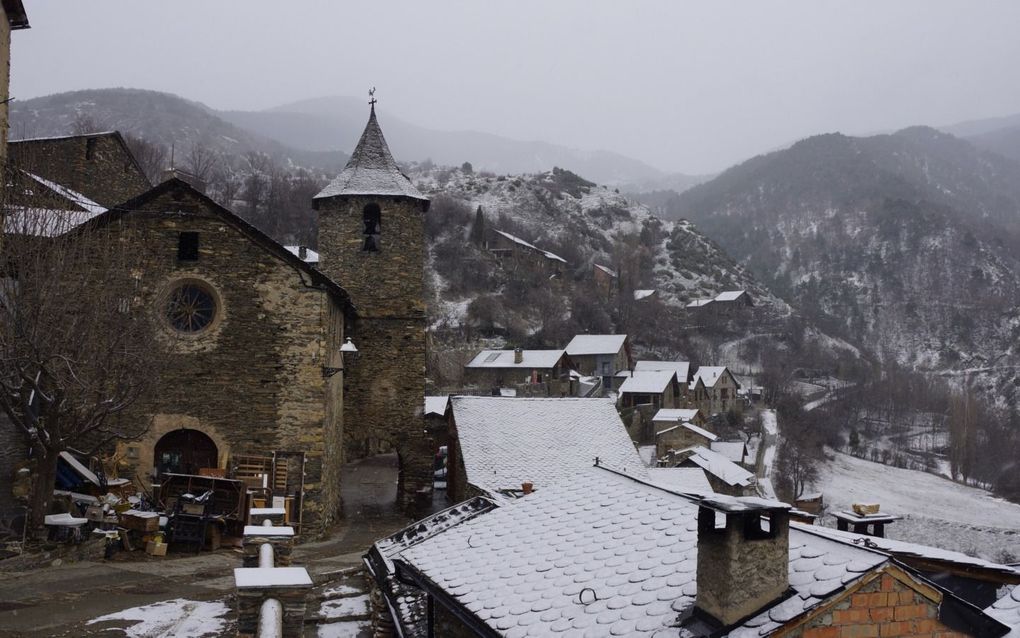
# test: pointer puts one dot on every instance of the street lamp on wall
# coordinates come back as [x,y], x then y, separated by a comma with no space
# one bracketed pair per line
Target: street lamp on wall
[348,355]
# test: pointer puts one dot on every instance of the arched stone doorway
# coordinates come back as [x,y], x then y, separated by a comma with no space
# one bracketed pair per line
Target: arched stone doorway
[184,451]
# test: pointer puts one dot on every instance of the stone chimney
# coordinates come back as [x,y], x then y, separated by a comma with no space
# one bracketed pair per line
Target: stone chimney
[518,355]
[303,252]
[743,556]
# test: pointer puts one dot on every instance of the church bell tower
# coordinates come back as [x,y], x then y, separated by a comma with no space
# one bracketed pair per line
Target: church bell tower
[372,242]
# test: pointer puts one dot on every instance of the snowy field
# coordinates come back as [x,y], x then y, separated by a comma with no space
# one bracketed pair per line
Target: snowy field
[935,511]
[177,618]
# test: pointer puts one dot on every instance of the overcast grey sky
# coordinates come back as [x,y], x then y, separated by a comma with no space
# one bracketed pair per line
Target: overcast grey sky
[685,86]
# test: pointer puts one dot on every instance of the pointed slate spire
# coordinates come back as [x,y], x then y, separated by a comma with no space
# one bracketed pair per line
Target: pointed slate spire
[371,169]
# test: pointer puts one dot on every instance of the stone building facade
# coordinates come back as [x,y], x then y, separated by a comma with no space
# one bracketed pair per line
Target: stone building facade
[97,165]
[13,18]
[372,237]
[253,378]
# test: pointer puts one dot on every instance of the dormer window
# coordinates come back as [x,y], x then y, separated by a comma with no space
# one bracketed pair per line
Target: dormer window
[372,217]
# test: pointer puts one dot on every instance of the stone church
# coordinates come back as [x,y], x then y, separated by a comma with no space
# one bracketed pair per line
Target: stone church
[256,374]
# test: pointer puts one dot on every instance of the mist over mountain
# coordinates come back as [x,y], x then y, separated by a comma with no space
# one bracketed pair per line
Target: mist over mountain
[906,244]
[997,134]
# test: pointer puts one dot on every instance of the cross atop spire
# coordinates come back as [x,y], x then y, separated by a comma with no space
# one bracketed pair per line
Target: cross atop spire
[371,98]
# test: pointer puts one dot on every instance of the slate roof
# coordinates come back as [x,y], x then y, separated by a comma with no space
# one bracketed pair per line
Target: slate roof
[436,405]
[1007,611]
[55,220]
[582,345]
[643,293]
[647,382]
[709,375]
[699,303]
[618,560]
[531,359]
[693,428]
[371,169]
[682,368]
[508,441]
[730,295]
[517,240]
[719,466]
[606,269]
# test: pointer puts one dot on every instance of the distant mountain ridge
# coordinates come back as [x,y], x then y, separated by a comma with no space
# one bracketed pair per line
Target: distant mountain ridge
[318,133]
[997,134]
[906,244]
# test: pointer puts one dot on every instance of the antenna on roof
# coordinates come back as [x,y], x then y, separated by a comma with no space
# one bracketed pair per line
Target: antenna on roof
[371,98]
[171,155]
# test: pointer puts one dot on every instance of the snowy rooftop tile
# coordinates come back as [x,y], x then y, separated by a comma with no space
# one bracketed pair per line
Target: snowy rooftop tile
[689,480]
[676,414]
[43,222]
[719,466]
[604,554]
[709,375]
[71,195]
[699,303]
[730,295]
[643,294]
[582,345]
[682,368]
[530,359]
[648,382]
[371,169]
[505,442]
[733,450]
[1007,611]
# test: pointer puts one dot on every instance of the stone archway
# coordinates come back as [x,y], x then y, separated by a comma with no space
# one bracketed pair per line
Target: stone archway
[140,454]
[184,451]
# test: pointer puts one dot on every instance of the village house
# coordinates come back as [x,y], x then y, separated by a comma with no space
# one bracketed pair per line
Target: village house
[600,355]
[715,391]
[683,375]
[735,451]
[725,304]
[655,388]
[679,435]
[257,380]
[499,444]
[605,279]
[513,252]
[603,552]
[533,372]
[725,476]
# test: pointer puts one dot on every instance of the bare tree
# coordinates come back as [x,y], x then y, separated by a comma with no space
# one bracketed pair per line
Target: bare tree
[75,347]
[152,157]
[86,123]
[201,160]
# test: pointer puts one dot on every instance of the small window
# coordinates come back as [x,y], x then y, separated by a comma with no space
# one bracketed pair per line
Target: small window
[90,148]
[372,217]
[187,247]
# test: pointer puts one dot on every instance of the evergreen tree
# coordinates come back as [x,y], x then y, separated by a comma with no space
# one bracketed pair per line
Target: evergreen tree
[478,228]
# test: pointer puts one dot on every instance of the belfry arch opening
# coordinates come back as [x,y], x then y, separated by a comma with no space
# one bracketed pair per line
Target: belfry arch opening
[184,451]
[371,216]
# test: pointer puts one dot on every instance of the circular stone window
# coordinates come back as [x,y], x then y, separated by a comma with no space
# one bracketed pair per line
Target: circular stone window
[191,308]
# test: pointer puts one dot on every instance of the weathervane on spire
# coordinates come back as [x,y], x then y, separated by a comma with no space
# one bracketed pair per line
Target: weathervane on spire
[371,97]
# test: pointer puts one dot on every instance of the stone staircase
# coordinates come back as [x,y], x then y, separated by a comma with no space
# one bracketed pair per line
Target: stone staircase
[340,608]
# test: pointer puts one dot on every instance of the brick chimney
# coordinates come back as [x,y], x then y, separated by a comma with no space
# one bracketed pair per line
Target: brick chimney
[518,355]
[743,556]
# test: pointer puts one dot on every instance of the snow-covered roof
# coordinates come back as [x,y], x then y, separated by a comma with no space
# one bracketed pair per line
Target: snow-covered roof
[902,549]
[582,345]
[371,169]
[530,359]
[606,269]
[517,240]
[698,303]
[688,480]
[436,405]
[730,295]
[311,256]
[682,368]
[719,466]
[676,414]
[521,568]
[648,382]
[505,442]
[43,222]
[1007,611]
[71,195]
[733,450]
[643,294]
[709,375]
[690,426]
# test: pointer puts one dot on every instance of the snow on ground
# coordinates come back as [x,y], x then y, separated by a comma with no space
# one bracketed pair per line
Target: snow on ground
[349,629]
[344,607]
[935,511]
[178,618]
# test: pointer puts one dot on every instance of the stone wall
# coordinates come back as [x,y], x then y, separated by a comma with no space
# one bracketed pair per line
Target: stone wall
[97,166]
[5,84]
[885,606]
[385,388]
[253,380]
[13,451]
[446,624]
